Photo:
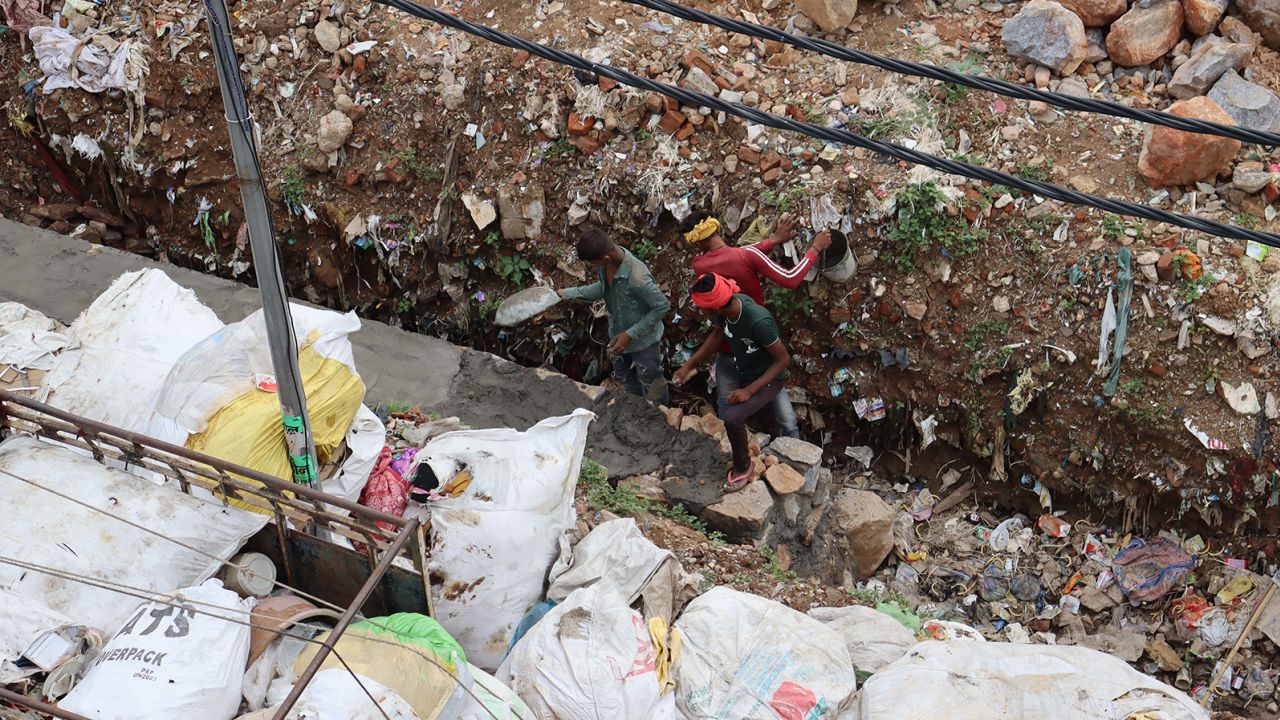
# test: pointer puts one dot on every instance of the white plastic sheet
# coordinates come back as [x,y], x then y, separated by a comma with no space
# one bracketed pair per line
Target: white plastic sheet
[493,545]
[614,553]
[980,681]
[171,662]
[493,700]
[335,695]
[749,658]
[28,338]
[23,623]
[590,658]
[872,638]
[46,530]
[123,345]
[102,63]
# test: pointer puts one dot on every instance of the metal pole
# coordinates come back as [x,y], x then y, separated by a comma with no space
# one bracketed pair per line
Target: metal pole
[40,707]
[266,261]
[365,591]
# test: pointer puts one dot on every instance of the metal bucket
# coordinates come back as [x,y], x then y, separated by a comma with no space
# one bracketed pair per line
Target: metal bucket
[837,263]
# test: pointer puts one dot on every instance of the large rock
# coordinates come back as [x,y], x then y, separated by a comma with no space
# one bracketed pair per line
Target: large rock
[335,128]
[1242,398]
[1199,73]
[1046,33]
[1248,104]
[784,479]
[741,513]
[795,451]
[1174,157]
[1096,13]
[521,212]
[1202,16]
[328,36]
[1149,30]
[862,526]
[830,15]
[1263,17]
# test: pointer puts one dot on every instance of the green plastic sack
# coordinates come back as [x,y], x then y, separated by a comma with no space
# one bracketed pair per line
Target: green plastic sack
[419,630]
[909,619]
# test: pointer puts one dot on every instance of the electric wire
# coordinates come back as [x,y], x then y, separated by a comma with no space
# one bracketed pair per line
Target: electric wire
[838,136]
[978,82]
[162,599]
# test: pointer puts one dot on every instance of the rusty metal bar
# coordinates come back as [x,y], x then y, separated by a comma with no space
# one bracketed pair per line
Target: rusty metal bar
[406,533]
[274,483]
[38,706]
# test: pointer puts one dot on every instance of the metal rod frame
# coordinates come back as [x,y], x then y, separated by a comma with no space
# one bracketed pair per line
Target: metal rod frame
[38,706]
[406,534]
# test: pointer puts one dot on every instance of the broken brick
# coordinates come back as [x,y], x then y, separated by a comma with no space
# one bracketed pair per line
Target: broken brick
[1164,267]
[747,155]
[770,161]
[520,58]
[606,84]
[771,176]
[685,132]
[671,122]
[695,58]
[1158,370]
[578,125]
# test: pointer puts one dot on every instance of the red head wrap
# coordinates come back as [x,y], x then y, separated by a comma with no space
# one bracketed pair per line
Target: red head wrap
[718,296]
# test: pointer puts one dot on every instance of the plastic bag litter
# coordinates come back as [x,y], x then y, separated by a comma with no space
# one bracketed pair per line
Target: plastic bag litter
[590,658]
[749,658]
[615,553]
[334,694]
[493,544]
[872,638]
[93,64]
[171,662]
[1148,569]
[980,681]
[493,700]
[47,530]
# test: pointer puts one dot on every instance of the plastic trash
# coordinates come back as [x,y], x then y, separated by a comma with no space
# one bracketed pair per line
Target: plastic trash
[873,639]
[525,305]
[980,681]
[1148,569]
[493,545]
[493,700]
[749,658]
[1054,527]
[335,694]
[590,658]
[171,662]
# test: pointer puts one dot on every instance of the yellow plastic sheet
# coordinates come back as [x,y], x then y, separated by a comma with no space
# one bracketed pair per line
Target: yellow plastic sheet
[248,431]
[666,650]
[424,684]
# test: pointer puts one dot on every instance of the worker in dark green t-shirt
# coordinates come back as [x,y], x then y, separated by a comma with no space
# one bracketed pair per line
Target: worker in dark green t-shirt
[761,359]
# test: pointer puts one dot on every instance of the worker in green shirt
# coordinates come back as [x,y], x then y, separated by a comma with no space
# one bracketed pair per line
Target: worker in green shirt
[760,357]
[636,306]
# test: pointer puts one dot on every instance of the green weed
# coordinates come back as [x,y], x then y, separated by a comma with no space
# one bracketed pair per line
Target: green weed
[774,568]
[645,249]
[293,186]
[621,501]
[921,221]
[515,268]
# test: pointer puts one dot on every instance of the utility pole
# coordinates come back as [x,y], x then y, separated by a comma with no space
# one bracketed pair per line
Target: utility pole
[266,261]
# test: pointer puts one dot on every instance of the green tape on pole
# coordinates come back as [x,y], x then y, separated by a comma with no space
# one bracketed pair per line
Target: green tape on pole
[304,471]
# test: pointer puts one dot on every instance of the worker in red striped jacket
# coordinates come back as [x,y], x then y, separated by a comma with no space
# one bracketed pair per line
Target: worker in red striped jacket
[747,267]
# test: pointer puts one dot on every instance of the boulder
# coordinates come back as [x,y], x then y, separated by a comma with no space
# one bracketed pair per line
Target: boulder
[830,15]
[1199,73]
[741,513]
[1247,104]
[1262,17]
[1202,16]
[1234,29]
[862,526]
[1097,38]
[1173,157]
[1149,30]
[1097,13]
[334,130]
[795,451]
[1046,33]
[784,479]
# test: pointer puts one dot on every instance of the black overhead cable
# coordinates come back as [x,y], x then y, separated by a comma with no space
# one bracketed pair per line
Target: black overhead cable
[1048,190]
[933,72]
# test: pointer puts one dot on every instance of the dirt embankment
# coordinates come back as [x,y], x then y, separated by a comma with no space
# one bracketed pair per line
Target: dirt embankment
[993,298]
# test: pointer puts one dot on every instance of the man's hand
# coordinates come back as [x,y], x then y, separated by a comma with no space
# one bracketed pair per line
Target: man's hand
[821,242]
[786,227]
[619,344]
[739,396]
[682,376]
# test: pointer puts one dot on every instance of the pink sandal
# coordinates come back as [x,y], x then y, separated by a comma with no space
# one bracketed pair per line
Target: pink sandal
[737,481]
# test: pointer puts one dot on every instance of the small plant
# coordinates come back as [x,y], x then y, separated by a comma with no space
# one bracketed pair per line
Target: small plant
[621,501]
[1245,220]
[488,308]
[1132,387]
[396,407]
[1189,291]
[643,135]
[421,168]
[645,249]
[979,331]
[774,567]
[558,149]
[788,303]
[879,127]
[920,221]
[514,268]
[1112,227]
[403,305]
[293,188]
[492,239]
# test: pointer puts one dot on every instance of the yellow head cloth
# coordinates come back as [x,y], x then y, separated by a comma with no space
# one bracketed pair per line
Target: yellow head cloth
[703,230]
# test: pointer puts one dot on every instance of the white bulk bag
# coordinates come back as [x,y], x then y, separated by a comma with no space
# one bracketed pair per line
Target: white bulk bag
[979,681]
[171,662]
[749,658]
[589,658]
[493,544]
[873,638]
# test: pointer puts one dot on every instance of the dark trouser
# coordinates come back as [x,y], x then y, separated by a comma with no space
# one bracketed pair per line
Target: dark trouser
[735,419]
[640,373]
[727,381]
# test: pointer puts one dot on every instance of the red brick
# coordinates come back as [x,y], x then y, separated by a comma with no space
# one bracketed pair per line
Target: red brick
[770,161]
[672,103]
[771,176]
[1164,267]
[1158,370]
[588,144]
[520,58]
[578,125]
[956,299]
[695,58]
[685,132]
[1235,251]
[671,122]
[606,84]
[747,155]
[685,152]
[1271,192]
[654,103]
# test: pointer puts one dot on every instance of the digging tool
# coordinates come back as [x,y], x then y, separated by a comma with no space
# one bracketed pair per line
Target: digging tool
[1253,620]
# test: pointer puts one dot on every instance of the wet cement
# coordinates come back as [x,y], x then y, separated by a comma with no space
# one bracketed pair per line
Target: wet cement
[60,276]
